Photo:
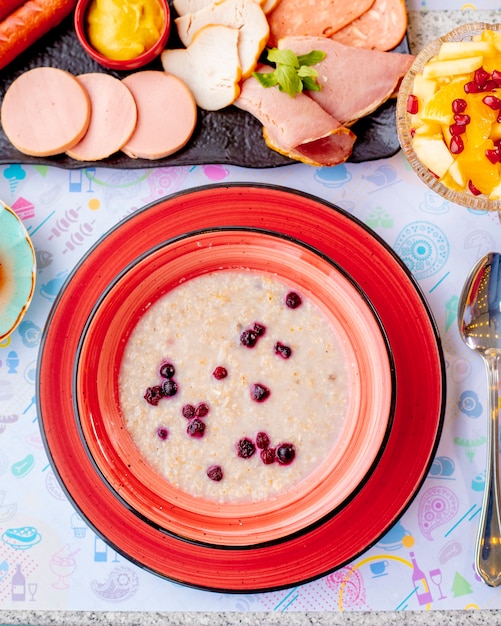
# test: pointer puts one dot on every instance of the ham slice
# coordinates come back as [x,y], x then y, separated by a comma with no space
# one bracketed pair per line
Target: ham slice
[113,119]
[296,126]
[166,114]
[354,81]
[45,111]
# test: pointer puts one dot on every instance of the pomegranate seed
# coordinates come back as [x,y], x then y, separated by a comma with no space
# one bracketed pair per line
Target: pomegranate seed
[258,392]
[282,350]
[498,119]
[494,156]
[267,456]
[490,85]
[412,104]
[472,87]
[481,76]
[167,370]
[473,189]
[202,410]
[459,105]
[286,453]
[196,428]
[456,145]
[496,77]
[215,473]
[293,300]
[220,372]
[245,448]
[162,433]
[262,441]
[497,143]
[462,119]
[169,388]
[188,411]
[492,102]
[413,132]
[248,338]
[457,129]
[153,395]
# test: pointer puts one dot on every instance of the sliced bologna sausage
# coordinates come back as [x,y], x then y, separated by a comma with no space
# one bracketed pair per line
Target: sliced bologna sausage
[382,27]
[113,119]
[45,111]
[166,114]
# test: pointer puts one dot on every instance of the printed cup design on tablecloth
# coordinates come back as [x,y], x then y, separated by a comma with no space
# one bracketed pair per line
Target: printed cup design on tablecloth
[435,204]
[423,247]
[437,506]
[63,564]
[121,584]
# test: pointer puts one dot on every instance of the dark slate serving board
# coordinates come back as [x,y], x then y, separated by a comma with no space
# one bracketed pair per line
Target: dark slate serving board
[229,136]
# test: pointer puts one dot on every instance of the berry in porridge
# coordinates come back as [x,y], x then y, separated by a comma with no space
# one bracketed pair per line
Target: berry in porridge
[284,351]
[220,372]
[293,300]
[215,472]
[258,392]
[169,388]
[163,433]
[197,328]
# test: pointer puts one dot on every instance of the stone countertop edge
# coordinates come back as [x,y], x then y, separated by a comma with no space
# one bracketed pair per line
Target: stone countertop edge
[423,28]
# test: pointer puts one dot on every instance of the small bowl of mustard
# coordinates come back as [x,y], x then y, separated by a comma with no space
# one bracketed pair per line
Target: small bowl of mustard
[123,34]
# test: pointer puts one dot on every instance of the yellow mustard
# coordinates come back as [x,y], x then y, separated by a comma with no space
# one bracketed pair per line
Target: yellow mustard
[124,29]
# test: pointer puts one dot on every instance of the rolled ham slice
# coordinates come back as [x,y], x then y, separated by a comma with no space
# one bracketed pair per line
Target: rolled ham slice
[113,119]
[45,111]
[166,114]
[354,81]
[296,126]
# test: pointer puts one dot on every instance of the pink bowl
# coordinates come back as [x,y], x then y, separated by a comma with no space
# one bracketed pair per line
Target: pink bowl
[80,21]
[349,462]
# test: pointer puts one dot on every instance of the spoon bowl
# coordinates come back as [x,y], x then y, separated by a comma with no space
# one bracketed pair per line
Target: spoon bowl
[479,319]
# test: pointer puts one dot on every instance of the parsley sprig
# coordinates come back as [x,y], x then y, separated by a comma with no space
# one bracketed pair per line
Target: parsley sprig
[292,73]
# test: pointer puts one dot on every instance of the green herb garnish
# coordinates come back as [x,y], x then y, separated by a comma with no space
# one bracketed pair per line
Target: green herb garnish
[292,73]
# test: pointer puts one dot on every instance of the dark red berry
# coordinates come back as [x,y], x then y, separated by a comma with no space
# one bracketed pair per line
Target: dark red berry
[492,102]
[167,370]
[248,338]
[490,85]
[459,105]
[457,145]
[282,350]
[215,472]
[262,440]
[293,300]
[412,104]
[202,410]
[473,189]
[153,395]
[457,129]
[472,87]
[496,76]
[267,456]
[162,433]
[481,76]
[169,388]
[494,156]
[220,372]
[188,411]
[259,329]
[462,119]
[245,448]
[196,428]
[258,392]
[286,453]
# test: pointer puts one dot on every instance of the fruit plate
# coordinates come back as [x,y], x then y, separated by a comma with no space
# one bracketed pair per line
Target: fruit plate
[360,425]
[403,461]
[229,136]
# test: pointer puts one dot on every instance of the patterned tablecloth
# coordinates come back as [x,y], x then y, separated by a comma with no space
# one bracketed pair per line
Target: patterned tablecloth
[424,562]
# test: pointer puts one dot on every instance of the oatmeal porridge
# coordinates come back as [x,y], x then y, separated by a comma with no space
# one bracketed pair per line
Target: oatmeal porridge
[234,387]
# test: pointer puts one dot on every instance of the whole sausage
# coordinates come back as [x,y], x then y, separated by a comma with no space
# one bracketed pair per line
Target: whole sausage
[9,6]
[28,23]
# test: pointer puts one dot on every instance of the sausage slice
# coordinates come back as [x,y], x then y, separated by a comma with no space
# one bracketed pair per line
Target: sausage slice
[45,111]
[113,119]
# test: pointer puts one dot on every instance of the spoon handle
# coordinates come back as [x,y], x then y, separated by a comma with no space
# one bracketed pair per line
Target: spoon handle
[488,548]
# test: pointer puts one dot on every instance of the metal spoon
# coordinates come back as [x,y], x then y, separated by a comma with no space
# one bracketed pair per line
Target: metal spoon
[479,319]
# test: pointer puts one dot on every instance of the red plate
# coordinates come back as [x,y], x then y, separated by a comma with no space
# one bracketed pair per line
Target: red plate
[419,376]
